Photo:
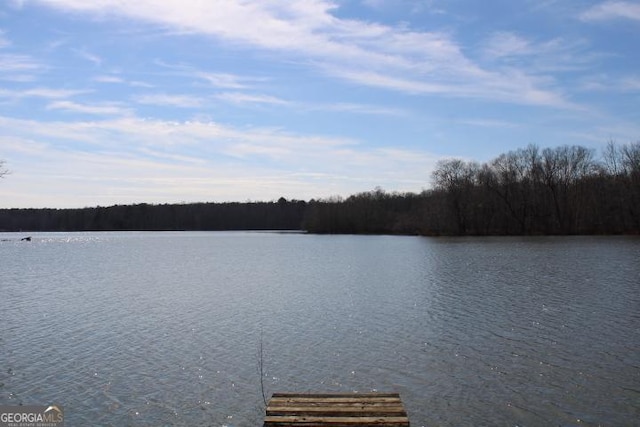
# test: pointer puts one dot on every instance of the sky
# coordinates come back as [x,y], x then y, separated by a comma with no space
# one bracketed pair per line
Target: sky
[107,102]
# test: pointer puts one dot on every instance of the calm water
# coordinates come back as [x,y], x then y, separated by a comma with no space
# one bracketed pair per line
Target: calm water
[150,329]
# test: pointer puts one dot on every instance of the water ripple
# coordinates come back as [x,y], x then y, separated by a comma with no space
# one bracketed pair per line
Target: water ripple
[164,328]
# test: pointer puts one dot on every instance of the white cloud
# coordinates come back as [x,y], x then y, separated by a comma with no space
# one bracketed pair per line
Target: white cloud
[163,99]
[610,83]
[382,80]
[394,58]
[361,109]
[488,123]
[246,98]
[91,57]
[137,83]
[557,54]
[132,131]
[513,87]
[132,160]
[108,79]
[216,80]
[44,92]
[116,79]
[505,44]
[40,92]
[612,10]
[16,67]
[99,109]
[375,4]
[224,81]
[413,6]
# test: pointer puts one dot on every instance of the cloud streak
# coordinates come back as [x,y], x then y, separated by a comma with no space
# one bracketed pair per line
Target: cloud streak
[19,68]
[172,100]
[163,99]
[364,53]
[610,10]
[41,92]
[102,109]
[134,159]
[246,98]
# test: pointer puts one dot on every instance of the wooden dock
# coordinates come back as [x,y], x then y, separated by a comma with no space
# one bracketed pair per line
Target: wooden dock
[337,409]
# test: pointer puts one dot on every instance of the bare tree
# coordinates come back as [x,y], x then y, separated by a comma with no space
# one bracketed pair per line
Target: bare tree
[612,159]
[631,158]
[457,179]
[562,169]
[512,177]
[630,154]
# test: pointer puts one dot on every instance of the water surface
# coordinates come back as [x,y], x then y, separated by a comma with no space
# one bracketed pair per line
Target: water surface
[147,329]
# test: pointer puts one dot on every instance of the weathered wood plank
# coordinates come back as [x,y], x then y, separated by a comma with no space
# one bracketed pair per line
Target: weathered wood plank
[358,395]
[348,397]
[335,409]
[278,421]
[386,400]
[312,406]
[276,405]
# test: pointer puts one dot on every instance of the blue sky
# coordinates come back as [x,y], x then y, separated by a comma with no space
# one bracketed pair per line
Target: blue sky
[166,101]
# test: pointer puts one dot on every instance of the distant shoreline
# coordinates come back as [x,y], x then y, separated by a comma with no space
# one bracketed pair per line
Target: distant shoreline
[528,192]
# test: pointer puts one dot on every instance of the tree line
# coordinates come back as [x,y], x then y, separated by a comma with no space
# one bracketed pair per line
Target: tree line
[528,191]
[280,215]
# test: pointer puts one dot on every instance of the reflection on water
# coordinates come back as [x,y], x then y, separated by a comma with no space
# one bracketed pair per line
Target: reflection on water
[164,328]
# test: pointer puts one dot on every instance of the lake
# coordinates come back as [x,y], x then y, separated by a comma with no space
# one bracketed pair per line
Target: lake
[165,328]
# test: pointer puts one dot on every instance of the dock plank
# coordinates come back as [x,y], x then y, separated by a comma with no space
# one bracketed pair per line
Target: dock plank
[335,409]
[336,421]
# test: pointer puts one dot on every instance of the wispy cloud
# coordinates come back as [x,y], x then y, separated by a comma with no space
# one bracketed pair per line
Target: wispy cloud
[132,160]
[629,83]
[382,80]
[247,98]
[40,92]
[366,53]
[108,79]
[502,89]
[16,67]
[214,79]
[505,44]
[363,109]
[488,123]
[44,92]
[98,109]
[413,6]
[612,10]
[245,81]
[91,57]
[539,57]
[118,79]
[224,81]
[181,101]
